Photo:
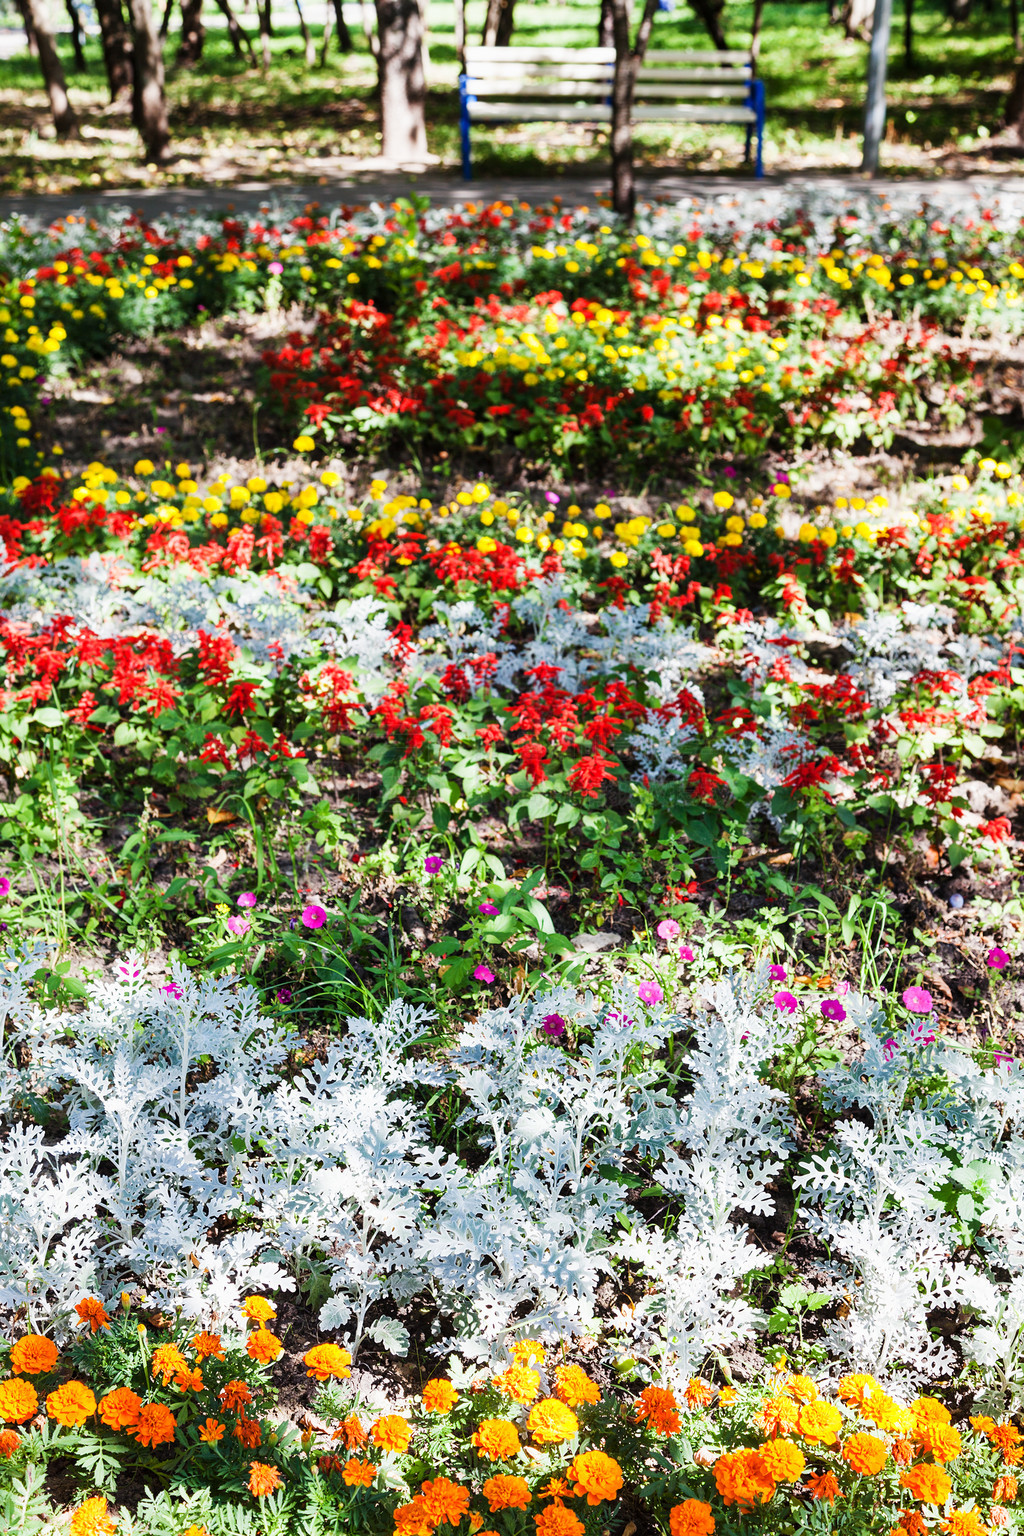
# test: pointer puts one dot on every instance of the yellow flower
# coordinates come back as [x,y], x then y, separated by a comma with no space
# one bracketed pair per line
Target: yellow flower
[618,558]
[722,500]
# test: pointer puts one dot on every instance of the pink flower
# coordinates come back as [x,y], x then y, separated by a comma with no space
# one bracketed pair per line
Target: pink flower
[488,909]
[890,1049]
[650,993]
[239,925]
[553,1024]
[785,1002]
[833,1009]
[1000,1058]
[284,994]
[432,863]
[276,267]
[247,900]
[685,953]
[172,989]
[777,973]
[313,916]
[668,929]
[5,885]
[917,1000]
[483,973]
[997,958]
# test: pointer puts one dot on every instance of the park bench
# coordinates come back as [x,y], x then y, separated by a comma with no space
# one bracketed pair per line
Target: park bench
[573,85]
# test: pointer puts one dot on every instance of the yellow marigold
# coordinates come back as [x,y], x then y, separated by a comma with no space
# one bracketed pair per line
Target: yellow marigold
[928,1484]
[439,1396]
[784,1460]
[526,1350]
[166,1361]
[208,1346]
[34,1355]
[9,1442]
[120,1408]
[92,1311]
[743,1478]
[71,1404]
[504,1492]
[964,1522]
[262,1479]
[92,1519]
[727,1396]
[258,1309]
[359,1474]
[596,1475]
[824,1486]
[691,1518]
[698,1394]
[928,1410]
[941,1441]
[445,1502]
[886,1414]
[574,1386]
[212,1432]
[865,1454]
[856,1389]
[263,1346]
[556,1520]
[496,1439]
[391,1432]
[819,1422]
[801,1389]
[658,1407]
[551,1422]
[19,1401]
[155,1425]
[519,1382]
[326,1360]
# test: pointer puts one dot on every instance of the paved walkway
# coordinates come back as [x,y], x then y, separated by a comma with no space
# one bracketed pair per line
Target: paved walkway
[446,187]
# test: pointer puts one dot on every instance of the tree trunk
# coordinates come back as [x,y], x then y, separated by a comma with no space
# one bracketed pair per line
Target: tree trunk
[370,32]
[755,33]
[1015,25]
[460,34]
[64,119]
[149,104]
[81,63]
[499,23]
[165,20]
[878,62]
[266,30]
[308,45]
[1014,115]
[506,22]
[627,62]
[606,26]
[30,36]
[908,35]
[489,36]
[710,13]
[341,27]
[239,37]
[402,83]
[117,48]
[193,34]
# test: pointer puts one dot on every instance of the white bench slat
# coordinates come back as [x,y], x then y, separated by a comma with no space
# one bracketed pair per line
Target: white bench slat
[700,56]
[481,55]
[528,73]
[691,93]
[545,88]
[686,76]
[694,115]
[537,112]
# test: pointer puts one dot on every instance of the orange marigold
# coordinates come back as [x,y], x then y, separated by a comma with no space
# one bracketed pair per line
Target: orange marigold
[691,1518]
[413,1519]
[504,1492]
[235,1395]
[359,1474]
[1004,1492]
[262,1479]
[9,1442]
[352,1432]
[496,1439]
[658,1407]
[784,1460]
[248,1433]
[928,1484]
[439,1396]
[211,1432]
[120,1408]
[801,1389]
[930,1410]
[326,1360]
[885,1413]
[698,1394]
[208,1346]
[903,1452]
[263,1346]
[519,1382]
[526,1350]
[574,1386]
[391,1432]
[824,1485]
[92,1519]
[71,1404]
[743,1478]
[34,1355]
[258,1309]
[911,1523]
[856,1389]
[819,1422]
[777,1416]
[19,1401]
[92,1311]
[727,1395]
[964,1522]
[865,1454]
[189,1380]
[551,1422]
[556,1520]
[155,1425]
[942,1441]
[596,1475]
[445,1502]
[1006,1438]
[167,1360]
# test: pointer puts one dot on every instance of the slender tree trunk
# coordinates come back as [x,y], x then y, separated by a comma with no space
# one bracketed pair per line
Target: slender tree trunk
[710,13]
[1014,115]
[117,48]
[878,63]
[165,20]
[341,27]
[1015,25]
[606,26]
[402,83]
[30,36]
[239,37]
[193,34]
[266,30]
[460,34]
[908,35]
[64,119]
[149,104]
[81,63]
[498,23]
[627,63]
[506,23]
[370,31]
[755,32]
[308,45]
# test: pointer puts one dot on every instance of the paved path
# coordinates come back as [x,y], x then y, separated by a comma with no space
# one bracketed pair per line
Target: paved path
[446,187]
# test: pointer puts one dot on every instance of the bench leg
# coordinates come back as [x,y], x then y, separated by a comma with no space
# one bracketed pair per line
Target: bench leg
[467,157]
[746,147]
[759,109]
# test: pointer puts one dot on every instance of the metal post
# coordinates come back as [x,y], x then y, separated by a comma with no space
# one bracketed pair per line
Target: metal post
[467,157]
[874,110]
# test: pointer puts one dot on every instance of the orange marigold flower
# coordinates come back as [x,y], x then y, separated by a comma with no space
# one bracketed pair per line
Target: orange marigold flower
[92,1519]
[903,1452]
[727,1395]
[19,1401]
[691,1518]
[856,1389]
[982,1424]
[262,1479]
[34,1355]
[930,1410]
[885,1413]
[504,1492]
[326,1360]
[597,1475]
[189,1380]
[359,1474]
[71,1404]
[801,1389]
[413,1519]
[963,1522]
[496,1439]
[819,1422]
[743,1478]
[352,1432]
[155,1425]
[942,1441]
[824,1485]
[391,1432]
[928,1484]
[784,1460]
[1006,1438]
[211,1432]
[658,1406]
[92,1311]
[526,1350]
[445,1501]
[9,1442]
[248,1433]
[911,1523]
[167,1360]
[235,1395]
[1004,1492]
[258,1309]
[439,1396]
[551,1422]
[574,1386]
[556,1520]
[120,1408]
[556,1488]
[865,1454]
[777,1416]
[208,1346]
[698,1394]
[263,1346]
[519,1382]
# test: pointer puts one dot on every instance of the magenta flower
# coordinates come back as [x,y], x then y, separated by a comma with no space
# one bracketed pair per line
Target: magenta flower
[488,909]
[276,267]
[785,1002]
[777,973]
[313,916]
[238,925]
[650,993]
[284,994]
[685,953]
[668,929]
[551,498]
[484,973]
[247,899]
[5,885]
[890,1049]
[833,1009]
[432,863]
[553,1024]
[997,958]
[1001,1058]
[918,1000]
[172,989]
